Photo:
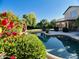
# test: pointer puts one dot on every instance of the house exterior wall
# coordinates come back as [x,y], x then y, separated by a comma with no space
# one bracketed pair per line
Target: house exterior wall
[61,24]
[72,13]
[70,16]
[67,24]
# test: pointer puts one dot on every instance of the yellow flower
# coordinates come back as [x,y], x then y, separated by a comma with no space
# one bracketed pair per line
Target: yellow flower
[0,29]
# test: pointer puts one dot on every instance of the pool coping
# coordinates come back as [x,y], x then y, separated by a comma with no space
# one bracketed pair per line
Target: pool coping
[50,56]
[62,33]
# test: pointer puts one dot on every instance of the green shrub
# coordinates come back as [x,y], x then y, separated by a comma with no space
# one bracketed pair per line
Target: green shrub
[8,45]
[30,47]
[24,47]
[1,44]
[65,29]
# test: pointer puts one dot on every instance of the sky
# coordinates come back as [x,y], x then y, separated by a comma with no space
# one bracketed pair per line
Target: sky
[44,9]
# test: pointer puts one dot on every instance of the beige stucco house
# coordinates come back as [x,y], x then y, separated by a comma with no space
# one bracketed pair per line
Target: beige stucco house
[70,16]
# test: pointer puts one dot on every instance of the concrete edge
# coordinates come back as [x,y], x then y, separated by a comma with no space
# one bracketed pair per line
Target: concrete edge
[50,56]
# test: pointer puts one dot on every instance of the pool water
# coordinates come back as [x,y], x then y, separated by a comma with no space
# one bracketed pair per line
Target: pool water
[62,46]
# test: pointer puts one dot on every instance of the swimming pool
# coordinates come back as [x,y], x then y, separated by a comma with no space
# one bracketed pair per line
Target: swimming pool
[62,46]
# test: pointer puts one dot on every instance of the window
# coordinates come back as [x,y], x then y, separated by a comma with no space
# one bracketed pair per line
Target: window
[74,13]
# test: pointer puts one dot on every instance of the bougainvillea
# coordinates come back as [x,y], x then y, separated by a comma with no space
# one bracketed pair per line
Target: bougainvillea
[4,14]
[5,21]
[7,25]
[8,28]
[12,57]
[14,33]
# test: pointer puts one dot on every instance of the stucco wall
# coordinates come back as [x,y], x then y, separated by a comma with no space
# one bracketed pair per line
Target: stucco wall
[61,24]
[68,14]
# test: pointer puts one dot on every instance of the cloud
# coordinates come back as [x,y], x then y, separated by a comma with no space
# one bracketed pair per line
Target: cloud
[74,2]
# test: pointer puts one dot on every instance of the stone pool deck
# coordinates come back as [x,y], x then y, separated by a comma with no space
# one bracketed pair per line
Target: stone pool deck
[50,56]
[74,35]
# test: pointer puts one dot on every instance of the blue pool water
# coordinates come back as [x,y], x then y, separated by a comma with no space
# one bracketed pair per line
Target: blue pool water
[62,46]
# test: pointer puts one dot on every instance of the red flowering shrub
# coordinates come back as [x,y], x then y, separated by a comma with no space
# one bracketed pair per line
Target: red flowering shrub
[8,34]
[7,31]
[5,21]
[8,26]
[12,57]
[14,33]
[4,14]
